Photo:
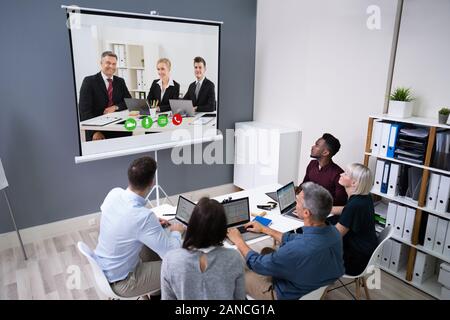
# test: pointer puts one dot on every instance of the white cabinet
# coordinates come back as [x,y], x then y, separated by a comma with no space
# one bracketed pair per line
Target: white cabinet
[265,154]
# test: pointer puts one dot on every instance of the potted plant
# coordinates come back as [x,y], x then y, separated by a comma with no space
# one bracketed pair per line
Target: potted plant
[400,104]
[443,115]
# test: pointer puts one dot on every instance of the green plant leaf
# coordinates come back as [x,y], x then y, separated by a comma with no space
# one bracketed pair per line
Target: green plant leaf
[401,94]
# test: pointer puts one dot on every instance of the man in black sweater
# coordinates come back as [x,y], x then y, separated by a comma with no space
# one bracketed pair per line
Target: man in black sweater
[202,91]
[103,93]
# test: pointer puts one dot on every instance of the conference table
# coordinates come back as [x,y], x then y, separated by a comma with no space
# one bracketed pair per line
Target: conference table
[257,196]
[118,117]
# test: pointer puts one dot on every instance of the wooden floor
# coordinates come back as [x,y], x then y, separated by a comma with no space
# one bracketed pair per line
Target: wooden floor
[45,274]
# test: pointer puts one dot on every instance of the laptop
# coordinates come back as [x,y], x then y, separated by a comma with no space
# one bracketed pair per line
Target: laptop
[183,107]
[237,212]
[286,200]
[140,105]
[184,210]
[272,195]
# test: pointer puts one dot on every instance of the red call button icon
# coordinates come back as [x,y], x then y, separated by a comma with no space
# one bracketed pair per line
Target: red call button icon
[177,119]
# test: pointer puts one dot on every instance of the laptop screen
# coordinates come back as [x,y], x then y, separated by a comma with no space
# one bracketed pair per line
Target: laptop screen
[237,212]
[286,197]
[184,210]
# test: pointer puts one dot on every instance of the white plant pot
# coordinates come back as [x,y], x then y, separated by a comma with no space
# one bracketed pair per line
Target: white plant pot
[400,109]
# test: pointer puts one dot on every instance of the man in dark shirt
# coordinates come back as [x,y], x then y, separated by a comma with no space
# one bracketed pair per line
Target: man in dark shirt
[323,171]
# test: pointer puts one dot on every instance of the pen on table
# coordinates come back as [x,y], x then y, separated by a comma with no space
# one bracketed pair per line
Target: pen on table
[169,214]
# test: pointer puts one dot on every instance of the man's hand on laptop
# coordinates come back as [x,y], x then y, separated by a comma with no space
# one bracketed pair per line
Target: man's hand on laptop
[254,226]
[177,227]
[234,235]
[164,222]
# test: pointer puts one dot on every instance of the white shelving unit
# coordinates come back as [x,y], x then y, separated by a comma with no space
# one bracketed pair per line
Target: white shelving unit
[411,203]
[423,249]
[135,64]
[408,163]
[430,286]
[427,122]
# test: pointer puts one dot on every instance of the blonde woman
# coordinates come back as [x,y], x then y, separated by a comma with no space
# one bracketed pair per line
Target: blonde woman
[164,88]
[356,222]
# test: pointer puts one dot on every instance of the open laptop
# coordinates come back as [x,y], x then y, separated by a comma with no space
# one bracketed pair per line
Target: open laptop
[237,212]
[140,105]
[184,210]
[183,107]
[286,200]
[272,195]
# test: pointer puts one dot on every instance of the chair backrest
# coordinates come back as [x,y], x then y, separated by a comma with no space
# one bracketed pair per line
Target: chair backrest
[100,278]
[382,238]
[315,295]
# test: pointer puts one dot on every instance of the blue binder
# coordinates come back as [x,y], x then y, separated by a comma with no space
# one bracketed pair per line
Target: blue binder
[393,134]
[385,180]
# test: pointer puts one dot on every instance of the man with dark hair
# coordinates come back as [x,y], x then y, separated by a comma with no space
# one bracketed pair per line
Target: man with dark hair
[132,241]
[306,260]
[323,171]
[103,93]
[202,91]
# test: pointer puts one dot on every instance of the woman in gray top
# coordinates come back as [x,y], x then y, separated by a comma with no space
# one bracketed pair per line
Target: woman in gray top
[203,269]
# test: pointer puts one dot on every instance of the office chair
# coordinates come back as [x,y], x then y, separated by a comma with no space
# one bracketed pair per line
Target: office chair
[360,280]
[100,278]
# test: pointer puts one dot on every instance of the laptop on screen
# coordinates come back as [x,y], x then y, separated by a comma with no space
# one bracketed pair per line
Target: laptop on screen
[183,107]
[237,212]
[140,105]
[184,210]
[286,200]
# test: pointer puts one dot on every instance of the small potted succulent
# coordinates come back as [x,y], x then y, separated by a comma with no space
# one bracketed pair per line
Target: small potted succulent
[400,104]
[443,115]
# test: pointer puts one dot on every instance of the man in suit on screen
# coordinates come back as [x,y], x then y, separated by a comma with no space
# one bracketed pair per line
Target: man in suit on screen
[103,93]
[202,90]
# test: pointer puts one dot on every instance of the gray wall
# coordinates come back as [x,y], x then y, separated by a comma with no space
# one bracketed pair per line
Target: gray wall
[38,133]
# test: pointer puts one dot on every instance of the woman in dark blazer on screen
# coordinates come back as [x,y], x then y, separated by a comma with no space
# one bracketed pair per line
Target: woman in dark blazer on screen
[164,88]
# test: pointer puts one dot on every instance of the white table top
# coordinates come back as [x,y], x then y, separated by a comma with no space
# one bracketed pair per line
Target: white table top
[187,123]
[256,196]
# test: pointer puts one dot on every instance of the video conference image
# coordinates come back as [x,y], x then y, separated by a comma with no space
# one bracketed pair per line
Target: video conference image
[139,80]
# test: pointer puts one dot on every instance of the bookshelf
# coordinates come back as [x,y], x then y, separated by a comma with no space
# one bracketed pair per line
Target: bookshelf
[430,286]
[135,64]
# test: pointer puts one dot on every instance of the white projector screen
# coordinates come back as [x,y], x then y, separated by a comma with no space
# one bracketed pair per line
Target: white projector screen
[157,87]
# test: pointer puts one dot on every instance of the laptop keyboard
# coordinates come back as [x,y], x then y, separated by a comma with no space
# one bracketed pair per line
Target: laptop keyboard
[242,229]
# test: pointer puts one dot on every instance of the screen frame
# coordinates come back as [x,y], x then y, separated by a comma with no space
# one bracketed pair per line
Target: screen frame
[248,211]
[293,204]
[178,205]
[110,13]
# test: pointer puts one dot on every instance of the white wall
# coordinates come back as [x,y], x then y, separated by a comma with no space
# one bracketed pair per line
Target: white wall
[423,55]
[319,68]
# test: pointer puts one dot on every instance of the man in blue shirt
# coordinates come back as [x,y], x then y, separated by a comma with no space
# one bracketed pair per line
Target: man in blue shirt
[132,240]
[305,261]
